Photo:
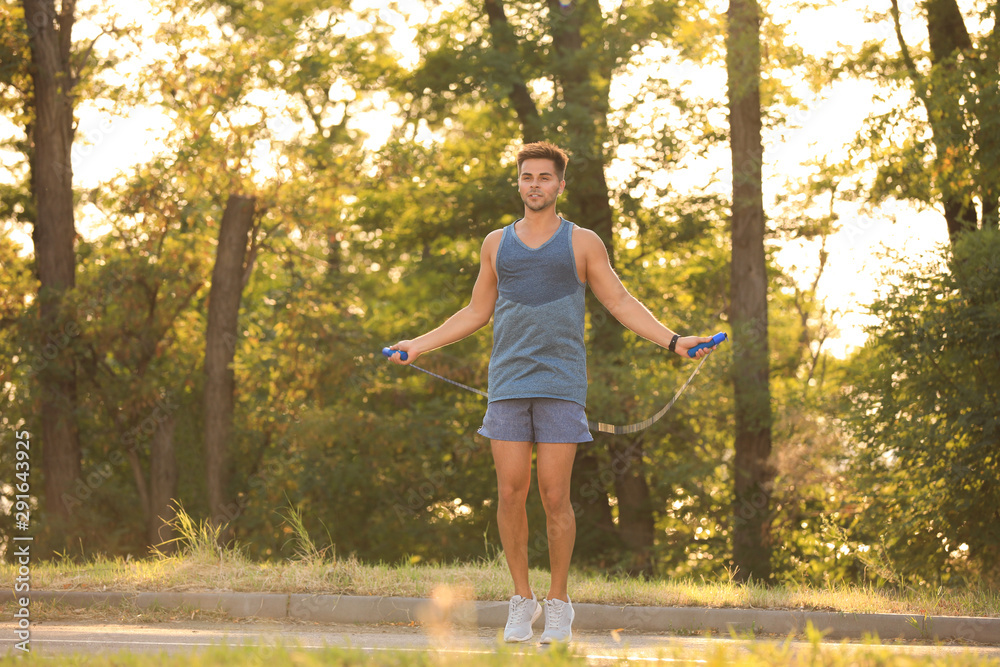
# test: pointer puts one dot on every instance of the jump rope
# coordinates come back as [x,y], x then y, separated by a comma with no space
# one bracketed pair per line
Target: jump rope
[600,427]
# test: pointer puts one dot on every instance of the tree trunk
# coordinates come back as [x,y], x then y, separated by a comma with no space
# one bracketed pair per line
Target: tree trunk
[748,312]
[584,128]
[946,29]
[988,134]
[596,536]
[505,43]
[220,348]
[162,486]
[54,233]
[945,99]
[948,37]
[636,525]
[578,123]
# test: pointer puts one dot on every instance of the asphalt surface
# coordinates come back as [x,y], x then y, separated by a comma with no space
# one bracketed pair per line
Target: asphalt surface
[598,648]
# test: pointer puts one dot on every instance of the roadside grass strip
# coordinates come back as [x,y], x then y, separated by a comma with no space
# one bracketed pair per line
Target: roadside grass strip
[813,652]
[485,580]
[197,564]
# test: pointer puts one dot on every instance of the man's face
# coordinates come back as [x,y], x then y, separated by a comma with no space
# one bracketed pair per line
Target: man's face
[539,184]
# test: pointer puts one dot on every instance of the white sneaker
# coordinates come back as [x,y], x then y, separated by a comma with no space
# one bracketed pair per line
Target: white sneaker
[521,614]
[558,622]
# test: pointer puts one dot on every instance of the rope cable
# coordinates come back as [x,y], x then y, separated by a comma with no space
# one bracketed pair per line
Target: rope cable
[600,427]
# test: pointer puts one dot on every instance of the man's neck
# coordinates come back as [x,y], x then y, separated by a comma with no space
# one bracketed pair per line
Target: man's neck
[541,219]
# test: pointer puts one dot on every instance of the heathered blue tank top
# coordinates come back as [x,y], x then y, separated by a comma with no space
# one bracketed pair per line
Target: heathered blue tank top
[538,322]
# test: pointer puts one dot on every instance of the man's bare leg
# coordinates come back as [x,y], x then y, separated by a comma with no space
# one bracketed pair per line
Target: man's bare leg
[513,465]
[555,467]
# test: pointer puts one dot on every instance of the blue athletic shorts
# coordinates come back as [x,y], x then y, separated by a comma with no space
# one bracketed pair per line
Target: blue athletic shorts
[536,420]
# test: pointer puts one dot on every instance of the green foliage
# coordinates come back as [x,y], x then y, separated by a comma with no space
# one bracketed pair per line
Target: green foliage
[16,203]
[14,57]
[925,400]
[287,654]
[940,146]
[354,248]
[17,289]
[751,653]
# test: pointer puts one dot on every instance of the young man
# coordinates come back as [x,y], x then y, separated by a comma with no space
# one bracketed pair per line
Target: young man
[532,278]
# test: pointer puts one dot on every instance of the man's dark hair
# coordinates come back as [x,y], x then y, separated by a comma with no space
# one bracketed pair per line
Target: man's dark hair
[545,151]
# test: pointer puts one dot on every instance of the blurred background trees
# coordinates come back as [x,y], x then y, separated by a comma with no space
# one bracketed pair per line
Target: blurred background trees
[377,142]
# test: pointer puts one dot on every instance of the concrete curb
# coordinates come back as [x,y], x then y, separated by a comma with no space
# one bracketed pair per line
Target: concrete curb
[349,609]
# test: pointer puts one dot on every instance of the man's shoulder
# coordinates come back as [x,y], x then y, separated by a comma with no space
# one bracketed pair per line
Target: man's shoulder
[493,237]
[585,239]
[491,245]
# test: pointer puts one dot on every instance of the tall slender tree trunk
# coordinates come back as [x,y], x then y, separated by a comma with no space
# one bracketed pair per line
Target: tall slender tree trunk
[162,486]
[636,524]
[505,44]
[220,349]
[585,108]
[987,135]
[581,128]
[54,233]
[948,37]
[947,100]
[748,313]
[595,527]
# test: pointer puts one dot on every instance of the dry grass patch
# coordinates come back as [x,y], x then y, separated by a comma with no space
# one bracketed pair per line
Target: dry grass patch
[485,580]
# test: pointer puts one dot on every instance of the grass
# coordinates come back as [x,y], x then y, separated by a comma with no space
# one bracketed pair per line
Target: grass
[294,657]
[752,654]
[483,580]
[199,565]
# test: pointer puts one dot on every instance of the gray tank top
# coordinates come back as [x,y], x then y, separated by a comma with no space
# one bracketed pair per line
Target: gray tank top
[538,322]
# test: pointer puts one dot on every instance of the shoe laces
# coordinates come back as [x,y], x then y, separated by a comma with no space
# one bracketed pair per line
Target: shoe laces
[554,612]
[519,609]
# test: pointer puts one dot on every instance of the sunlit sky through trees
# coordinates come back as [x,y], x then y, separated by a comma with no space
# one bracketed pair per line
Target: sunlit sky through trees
[110,140]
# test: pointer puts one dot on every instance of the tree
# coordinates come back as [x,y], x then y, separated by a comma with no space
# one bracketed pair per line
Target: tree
[135,358]
[18,285]
[228,277]
[54,77]
[813,508]
[549,68]
[330,71]
[924,399]
[749,287]
[949,99]
[42,98]
[943,149]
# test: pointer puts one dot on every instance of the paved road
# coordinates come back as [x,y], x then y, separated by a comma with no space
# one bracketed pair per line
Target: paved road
[330,609]
[600,648]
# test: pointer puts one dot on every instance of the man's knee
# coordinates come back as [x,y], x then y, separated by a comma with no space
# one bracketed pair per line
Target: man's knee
[555,498]
[560,519]
[513,493]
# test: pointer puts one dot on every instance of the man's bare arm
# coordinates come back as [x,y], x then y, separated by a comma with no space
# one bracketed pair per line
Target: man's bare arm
[466,321]
[625,308]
